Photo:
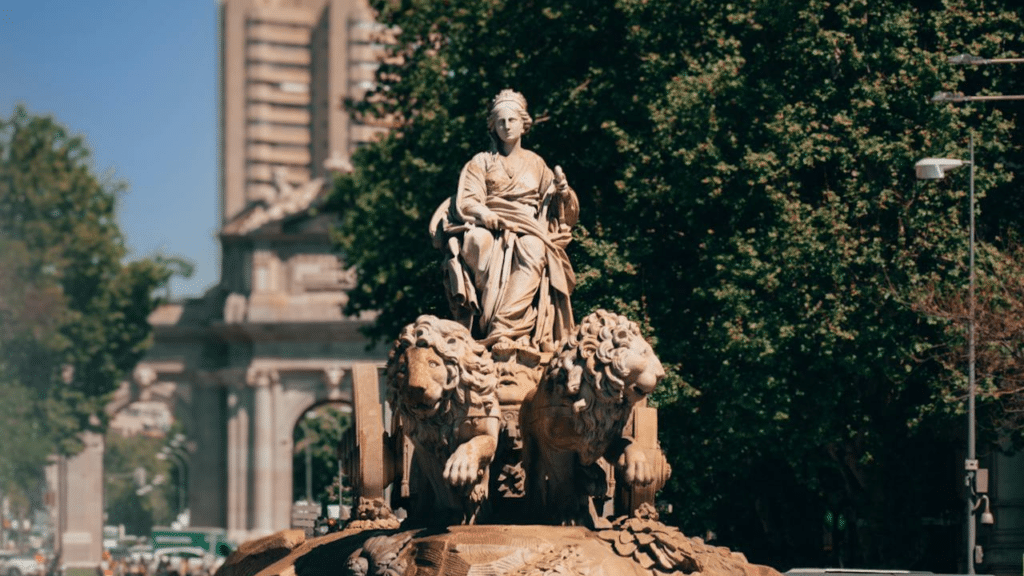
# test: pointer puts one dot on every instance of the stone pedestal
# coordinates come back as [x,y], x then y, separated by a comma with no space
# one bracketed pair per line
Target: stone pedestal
[631,546]
[80,505]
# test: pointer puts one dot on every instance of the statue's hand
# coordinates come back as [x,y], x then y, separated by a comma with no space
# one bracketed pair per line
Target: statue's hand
[561,184]
[639,471]
[560,238]
[463,468]
[489,219]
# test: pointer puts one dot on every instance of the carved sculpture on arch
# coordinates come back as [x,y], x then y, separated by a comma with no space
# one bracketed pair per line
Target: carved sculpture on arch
[258,377]
[143,375]
[332,378]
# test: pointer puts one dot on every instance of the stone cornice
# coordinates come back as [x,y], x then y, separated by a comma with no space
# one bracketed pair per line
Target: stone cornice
[276,236]
[336,331]
[289,201]
[259,372]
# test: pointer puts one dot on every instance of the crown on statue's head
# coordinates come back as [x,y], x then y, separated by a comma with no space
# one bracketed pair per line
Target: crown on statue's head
[509,96]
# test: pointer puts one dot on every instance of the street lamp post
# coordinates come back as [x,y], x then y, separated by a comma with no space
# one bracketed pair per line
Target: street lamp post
[979,61]
[167,453]
[309,455]
[959,97]
[934,169]
[971,60]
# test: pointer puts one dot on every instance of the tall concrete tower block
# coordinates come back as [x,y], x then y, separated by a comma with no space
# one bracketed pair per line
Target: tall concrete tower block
[286,67]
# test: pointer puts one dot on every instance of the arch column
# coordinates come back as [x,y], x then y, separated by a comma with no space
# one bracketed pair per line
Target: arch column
[281,467]
[263,448]
[238,409]
[208,450]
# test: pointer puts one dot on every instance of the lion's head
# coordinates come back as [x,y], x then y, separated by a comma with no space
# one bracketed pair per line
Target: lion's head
[603,369]
[435,372]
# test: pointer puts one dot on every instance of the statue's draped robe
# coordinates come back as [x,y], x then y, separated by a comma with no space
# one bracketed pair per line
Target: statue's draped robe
[516,280]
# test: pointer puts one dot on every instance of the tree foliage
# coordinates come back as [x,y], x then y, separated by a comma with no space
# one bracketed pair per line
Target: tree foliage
[67,296]
[745,172]
[320,431]
[131,466]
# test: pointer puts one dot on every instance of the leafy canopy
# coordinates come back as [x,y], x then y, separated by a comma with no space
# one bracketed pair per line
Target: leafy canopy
[747,194]
[73,312]
[317,435]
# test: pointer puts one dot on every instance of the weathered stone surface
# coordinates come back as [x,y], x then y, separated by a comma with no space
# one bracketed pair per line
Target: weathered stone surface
[441,383]
[634,546]
[255,555]
[373,514]
[504,233]
[578,416]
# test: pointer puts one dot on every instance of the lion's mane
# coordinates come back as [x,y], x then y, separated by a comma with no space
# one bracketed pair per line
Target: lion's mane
[588,373]
[469,390]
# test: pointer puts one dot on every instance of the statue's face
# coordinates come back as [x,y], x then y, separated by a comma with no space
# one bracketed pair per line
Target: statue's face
[508,124]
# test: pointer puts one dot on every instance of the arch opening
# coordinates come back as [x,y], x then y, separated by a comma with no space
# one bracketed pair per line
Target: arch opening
[315,472]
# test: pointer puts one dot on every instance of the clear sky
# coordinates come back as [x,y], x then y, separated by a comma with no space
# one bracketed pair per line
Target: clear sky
[137,79]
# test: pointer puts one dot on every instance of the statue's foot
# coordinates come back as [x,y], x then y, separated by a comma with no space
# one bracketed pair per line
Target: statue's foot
[521,349]
[503,343]
[526,352]
[503,348]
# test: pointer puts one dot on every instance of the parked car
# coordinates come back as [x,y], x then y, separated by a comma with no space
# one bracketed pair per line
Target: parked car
[861,572]
[14,564]
[142,553]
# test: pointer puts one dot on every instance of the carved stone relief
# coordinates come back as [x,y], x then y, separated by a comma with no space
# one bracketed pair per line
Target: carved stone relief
[319,273]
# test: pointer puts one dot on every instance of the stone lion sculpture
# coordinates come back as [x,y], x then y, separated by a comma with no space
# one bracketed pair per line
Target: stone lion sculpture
[577,415]
[440,382]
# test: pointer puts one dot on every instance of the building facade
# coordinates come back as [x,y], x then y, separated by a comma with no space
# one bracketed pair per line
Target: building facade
[239,366]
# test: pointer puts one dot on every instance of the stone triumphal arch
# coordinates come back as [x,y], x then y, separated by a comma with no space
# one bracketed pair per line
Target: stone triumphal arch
[240,365]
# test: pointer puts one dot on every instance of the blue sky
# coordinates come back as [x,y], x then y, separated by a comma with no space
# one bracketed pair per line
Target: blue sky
[137,79]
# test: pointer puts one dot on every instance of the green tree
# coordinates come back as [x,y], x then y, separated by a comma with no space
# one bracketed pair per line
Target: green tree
[139,490]
[68,297]
[319,431]
[30,310]
[745,176]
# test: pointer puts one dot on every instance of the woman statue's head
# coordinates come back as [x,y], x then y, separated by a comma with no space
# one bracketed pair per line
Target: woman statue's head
[508,100]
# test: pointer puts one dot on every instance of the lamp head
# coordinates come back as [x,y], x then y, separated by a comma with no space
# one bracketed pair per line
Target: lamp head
[966,59]
[950,97]
[986,516]
[935,168]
